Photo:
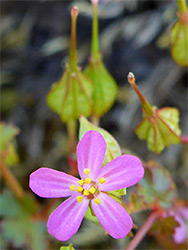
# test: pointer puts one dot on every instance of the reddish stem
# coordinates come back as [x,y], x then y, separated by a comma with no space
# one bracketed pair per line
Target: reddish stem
[184,139]
[11,181]
[145,104]
[143,230]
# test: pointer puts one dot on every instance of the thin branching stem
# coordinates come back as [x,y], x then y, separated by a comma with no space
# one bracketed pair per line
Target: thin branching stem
[143,230]
[11,181]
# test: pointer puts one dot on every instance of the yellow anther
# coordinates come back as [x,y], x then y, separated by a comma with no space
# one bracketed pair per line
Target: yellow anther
[92,190]
[72,187]
[87,180]
[87,171]
[81,182]
[79,198]
[102,180]
[79,189]
[98,201]
[86,192]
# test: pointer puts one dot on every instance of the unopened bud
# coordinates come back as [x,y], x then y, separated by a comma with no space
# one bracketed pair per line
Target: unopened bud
[74,11]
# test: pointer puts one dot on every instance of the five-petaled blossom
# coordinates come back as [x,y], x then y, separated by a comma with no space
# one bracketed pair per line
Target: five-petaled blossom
[124,171]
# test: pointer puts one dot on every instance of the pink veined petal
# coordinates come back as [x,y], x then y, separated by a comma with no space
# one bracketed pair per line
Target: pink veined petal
[180,232]
[65,220]
[124,171]
[112,216]
[50,183]
[90,153]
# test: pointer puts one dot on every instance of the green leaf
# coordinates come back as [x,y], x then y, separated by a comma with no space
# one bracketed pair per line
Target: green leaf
[18,225]
[157,186]
[179,40]
[23,231]
[171,118]
[164,226]
[136,203]
[10,156]
[89,216]
[113,150]
[70,247]
[71,95]
[7,133]
[120,192]
[105,87]
[8,202]
[160,130]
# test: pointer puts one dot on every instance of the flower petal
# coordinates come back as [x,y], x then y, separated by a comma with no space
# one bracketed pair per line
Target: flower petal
[65,220]
[124,171]
[180,232]
[90,153]
[50,183]
[112,216]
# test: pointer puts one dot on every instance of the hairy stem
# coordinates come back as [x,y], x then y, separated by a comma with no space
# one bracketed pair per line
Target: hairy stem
[71,127]
[145,104]
[11,181]
[143,230]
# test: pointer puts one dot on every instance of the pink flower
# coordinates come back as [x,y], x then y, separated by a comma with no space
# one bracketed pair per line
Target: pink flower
[181,216]
[122,172]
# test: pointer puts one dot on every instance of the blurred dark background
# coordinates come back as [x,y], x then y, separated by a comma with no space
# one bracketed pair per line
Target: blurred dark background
[134,36]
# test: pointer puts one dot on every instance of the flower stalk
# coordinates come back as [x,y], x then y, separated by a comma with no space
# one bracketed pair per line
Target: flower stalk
[143,230]
[182,6]
[73,54]
[11,181]
[71,128]
[145,104]
[95,36]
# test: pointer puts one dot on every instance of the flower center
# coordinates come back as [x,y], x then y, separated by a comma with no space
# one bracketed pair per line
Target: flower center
[88,188]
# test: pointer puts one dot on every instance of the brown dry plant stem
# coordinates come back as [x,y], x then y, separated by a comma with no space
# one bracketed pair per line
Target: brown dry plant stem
[11,181]
[143,230]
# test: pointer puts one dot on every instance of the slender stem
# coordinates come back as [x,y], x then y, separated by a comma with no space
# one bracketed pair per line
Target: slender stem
[143,230]
[182,6]
[11,181]
[145,104]
[95,120]
[71,127]
[73,54]
[95,35]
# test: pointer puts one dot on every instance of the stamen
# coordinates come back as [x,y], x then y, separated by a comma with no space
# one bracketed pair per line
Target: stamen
[98,201]
[92,190]
[72,187]
[87,171]
[79,189]
[81,182]
[86,192]
[87,180]
[102,180]
[79,198]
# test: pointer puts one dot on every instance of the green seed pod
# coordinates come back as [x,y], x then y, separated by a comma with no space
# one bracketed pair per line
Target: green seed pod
[105,87]
[71,96]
